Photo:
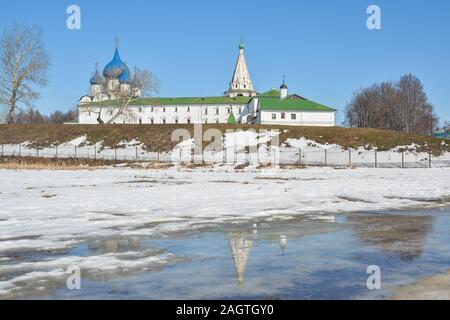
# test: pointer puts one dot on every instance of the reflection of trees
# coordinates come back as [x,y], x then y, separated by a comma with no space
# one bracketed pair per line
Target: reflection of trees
[240,249]
[398,234]
[114,245]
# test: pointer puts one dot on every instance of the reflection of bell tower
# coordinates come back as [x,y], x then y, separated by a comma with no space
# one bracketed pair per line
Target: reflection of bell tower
[241,84]
[240,248]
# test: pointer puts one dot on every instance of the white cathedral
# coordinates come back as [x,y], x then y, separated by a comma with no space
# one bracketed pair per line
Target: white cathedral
[240,104]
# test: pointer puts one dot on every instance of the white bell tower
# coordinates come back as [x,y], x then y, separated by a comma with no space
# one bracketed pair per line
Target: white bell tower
[241,84]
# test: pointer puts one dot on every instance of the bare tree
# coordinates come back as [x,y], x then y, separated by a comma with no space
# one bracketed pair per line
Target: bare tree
[118,102]
[400,106]
[30,116]
[24,64]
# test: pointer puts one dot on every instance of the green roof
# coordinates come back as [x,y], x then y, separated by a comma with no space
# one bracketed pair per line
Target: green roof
[232,119]
[271,103]
[271,93]
[184,101]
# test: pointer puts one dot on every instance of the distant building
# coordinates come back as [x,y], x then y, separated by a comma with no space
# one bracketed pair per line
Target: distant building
[442,134]
[241,103]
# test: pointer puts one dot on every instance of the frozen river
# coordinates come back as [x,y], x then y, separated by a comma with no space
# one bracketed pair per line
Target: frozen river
[216,233]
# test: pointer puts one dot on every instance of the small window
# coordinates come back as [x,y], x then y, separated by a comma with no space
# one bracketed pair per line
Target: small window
[217,111]
[151,110]
[206,121]
[140,121]
[140,109]
[176,109]
[188,109]
[283,115]
[293,116]
[240,110]
[164,109]
[152,121]
[245,86]
[274,116]
[206,111]
[89,113]
[189,121]
[176,121]
[164,121]
[229,110]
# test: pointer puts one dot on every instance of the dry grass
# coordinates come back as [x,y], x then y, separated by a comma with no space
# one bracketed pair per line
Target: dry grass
[158,137]
[11,163]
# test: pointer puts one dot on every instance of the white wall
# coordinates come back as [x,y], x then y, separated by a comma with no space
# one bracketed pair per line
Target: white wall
[303,118]
[196,114]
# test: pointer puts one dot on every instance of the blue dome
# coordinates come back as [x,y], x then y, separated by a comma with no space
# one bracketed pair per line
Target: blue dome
[115,68]
[96,78]
[125,77]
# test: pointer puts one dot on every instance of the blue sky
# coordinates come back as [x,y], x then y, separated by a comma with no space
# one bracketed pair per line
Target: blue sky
[323,46]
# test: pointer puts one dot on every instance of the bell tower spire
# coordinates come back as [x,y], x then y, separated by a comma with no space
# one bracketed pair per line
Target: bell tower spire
[241,83]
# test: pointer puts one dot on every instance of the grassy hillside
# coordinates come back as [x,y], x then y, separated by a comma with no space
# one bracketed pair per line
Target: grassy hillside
[158,137]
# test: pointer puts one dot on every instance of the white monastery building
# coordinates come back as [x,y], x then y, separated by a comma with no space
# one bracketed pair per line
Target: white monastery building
[240,104]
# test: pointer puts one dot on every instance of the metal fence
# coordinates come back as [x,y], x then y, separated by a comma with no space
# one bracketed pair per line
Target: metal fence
[261,155]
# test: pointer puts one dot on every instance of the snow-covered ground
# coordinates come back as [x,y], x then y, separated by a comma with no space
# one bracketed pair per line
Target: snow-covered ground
[52,211]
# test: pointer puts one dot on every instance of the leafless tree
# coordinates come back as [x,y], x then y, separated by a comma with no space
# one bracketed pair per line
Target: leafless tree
[24,65]
[32,116]
[400,106]
[119,102]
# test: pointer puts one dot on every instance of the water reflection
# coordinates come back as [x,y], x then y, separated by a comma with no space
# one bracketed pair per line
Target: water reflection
[401,235]
[240,249]
[241,245]
[114,245]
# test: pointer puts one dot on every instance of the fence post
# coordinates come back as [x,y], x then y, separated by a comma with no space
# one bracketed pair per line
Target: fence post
[2,150]
[325,157]
[56,151]
[115,154]
[403,159]
[376,159]
[75,152]
[300,156]
[37,152]
[257,155]
[157,156]
[429,160]
[136,153]
[95,152]
[349,157]
[20,150]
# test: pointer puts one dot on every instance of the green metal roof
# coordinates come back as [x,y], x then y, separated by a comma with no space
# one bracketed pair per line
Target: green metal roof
[184,101]
[271,103]
[271,93]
